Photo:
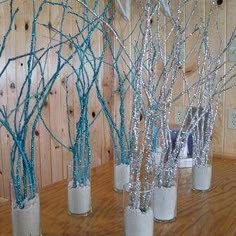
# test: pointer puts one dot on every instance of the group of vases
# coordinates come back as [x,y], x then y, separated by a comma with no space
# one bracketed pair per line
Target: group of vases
[162,202]
[26,221]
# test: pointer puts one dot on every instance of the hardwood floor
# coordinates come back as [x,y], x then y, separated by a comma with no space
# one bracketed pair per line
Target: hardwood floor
[199,213]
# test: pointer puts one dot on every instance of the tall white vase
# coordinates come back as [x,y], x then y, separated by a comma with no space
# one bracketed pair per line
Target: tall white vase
[26,220]
[138,218]
[79,194]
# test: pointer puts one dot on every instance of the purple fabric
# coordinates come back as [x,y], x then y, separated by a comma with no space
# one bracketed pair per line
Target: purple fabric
[174,133]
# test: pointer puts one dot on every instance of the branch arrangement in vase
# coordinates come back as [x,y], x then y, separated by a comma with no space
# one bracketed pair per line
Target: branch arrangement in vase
[84,75]
[210,63]
[118,119]
[203,94]
[21,121]
[162,62]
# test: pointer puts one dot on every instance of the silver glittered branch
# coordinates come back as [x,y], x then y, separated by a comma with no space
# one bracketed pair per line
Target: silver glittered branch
[204,94]
[164,69]
[210,94]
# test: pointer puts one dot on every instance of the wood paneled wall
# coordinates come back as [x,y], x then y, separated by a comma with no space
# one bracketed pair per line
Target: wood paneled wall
[52,159]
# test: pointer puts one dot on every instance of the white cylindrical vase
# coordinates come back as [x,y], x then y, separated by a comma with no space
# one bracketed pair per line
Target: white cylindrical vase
[121,169]
[138,223]
[164,203]
[121,176]
[79,192]
[138,218]
[201,177]
[26,219]
[164,198]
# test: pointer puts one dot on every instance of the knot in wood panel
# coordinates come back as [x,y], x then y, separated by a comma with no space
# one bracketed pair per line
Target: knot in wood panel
[12,85]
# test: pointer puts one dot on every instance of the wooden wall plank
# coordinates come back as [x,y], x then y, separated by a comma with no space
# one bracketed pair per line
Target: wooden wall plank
[123,28]
[217,37]
[230,98]
[36,78]
[3,101]
[76,111]
[44,136]
[66,51]
[1,172]
[23,32]
[55,98]
[193,42]
[179,85]
[108,86]
[11,93]
[191,63]
[97,128]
